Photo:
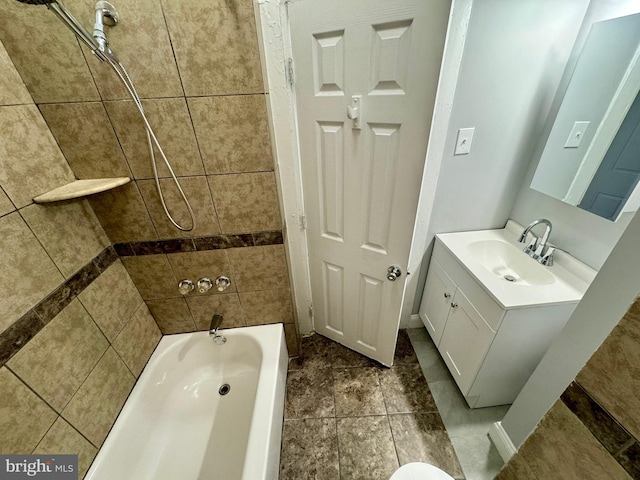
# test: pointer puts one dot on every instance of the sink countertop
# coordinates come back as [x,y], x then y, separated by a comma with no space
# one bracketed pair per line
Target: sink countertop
[571,278]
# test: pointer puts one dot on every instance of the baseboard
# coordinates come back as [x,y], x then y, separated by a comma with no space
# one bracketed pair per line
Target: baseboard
[502,441]
[413,322]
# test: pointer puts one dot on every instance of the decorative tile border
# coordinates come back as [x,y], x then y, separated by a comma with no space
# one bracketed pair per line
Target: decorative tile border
[199,244]
[622,446]
[26,327]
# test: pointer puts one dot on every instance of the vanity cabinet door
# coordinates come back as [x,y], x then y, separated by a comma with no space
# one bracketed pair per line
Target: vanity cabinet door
[436,300]
[465,341]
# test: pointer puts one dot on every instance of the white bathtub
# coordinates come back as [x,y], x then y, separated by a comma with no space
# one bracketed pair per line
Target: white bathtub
[175,424]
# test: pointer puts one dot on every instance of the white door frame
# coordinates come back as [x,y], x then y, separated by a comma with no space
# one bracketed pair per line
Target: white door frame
[275,48]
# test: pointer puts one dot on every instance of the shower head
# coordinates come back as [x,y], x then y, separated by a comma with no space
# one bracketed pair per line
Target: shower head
[56,6]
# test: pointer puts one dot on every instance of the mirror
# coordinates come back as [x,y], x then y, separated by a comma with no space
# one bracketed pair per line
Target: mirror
[592,155]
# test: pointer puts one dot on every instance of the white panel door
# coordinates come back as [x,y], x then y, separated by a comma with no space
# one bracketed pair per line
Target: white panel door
[362,168]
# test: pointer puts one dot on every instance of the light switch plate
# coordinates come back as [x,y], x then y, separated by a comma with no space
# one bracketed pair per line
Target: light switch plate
[463,142]
[576,135]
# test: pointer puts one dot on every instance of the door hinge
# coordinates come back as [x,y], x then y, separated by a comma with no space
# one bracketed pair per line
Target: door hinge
[303,222]
[311,312]
[290,71]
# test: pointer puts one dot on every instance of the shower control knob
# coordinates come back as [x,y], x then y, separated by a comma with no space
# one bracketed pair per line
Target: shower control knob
[393,272]
[204,285]
[222,283]
[185,286]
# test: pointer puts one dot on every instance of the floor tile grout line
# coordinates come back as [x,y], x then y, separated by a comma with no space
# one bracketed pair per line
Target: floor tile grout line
[393,439]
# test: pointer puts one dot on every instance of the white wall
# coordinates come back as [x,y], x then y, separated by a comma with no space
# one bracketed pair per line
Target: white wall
[514,59]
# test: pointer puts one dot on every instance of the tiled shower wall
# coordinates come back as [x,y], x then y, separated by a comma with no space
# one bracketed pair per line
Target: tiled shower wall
[197,67]
[592,431]
[74,331]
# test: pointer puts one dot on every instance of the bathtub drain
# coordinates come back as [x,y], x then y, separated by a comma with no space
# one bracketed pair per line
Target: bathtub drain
[224,389]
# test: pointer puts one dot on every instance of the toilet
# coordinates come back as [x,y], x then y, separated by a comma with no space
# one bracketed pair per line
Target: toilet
[419,471]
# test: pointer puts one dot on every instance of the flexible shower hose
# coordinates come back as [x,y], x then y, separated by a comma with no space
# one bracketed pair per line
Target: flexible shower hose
[151,140]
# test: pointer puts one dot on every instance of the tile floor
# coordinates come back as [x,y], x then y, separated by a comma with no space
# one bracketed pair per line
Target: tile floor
[348,418]
[467,428]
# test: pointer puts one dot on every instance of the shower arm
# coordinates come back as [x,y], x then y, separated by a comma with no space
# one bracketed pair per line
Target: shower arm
[75,26]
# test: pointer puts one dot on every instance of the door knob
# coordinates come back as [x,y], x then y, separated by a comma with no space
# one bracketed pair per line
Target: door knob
[393,272]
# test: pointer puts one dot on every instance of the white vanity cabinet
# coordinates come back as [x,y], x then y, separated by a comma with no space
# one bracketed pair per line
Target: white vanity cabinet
[490,350]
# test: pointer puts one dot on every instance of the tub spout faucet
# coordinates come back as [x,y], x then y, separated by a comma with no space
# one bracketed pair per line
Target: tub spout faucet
[216,321]
[534,249]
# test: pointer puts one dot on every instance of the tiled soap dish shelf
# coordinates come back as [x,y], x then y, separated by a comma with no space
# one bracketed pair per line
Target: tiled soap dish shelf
[81,188]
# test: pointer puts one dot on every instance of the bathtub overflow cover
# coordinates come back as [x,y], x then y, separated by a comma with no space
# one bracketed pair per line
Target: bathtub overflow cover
[224,389]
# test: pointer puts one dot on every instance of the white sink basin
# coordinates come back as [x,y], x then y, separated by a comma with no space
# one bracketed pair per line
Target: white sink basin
[510,263]
[497,261]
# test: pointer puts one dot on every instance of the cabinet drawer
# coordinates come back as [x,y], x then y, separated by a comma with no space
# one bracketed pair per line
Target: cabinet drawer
[488,308]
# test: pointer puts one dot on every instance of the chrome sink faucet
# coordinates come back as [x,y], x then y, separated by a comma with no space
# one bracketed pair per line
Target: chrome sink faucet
[537,250]
[216,321]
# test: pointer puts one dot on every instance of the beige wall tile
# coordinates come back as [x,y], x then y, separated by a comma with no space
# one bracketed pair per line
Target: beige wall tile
[59,358]
[123,214]
[12,89]
[62,438]
[233,133]
[169,118]
[137,340]
[293,341]
[612,375]
[5,204]
[58,72]
[30,161]
[69,231]
[153,276]
[24,418]
[516,469]
[196,190]
[95,406]
[229,61]
[246,202]
[267,306]
[142,43]
[228,305]
[562,447]
[27,274]
[87,139]
[172,315]
[111,300]
[196,265]
[259,268]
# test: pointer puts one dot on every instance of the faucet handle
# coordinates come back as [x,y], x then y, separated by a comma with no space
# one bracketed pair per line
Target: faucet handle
[547,258]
